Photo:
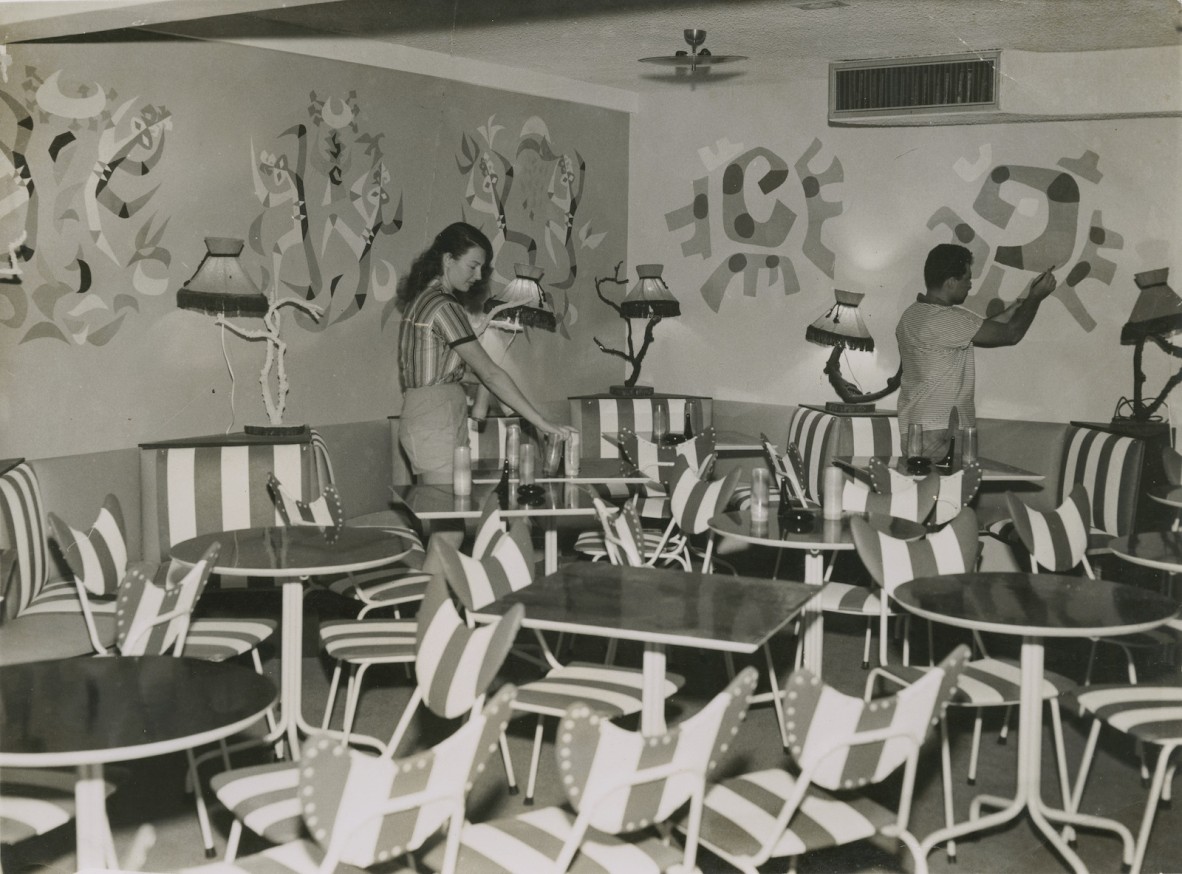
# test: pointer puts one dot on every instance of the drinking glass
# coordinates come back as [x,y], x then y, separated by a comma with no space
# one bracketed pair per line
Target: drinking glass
[527,464]
[553,454]
[761,480]
[660,423]
[917,462]
[968,444]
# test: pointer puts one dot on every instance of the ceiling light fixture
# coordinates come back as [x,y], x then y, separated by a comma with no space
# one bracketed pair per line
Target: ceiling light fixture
[697,58]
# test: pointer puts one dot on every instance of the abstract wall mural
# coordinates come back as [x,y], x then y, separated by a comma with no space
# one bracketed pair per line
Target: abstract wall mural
[1009,194]
[756,181]
[77,157]
[533,197]
[325,189]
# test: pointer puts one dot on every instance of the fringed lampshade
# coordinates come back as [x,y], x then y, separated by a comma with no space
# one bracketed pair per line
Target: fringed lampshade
[523,303]
[1156,316]
[842,325]
[650,296]
[219,287]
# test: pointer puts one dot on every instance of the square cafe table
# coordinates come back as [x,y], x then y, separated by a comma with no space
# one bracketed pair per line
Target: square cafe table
[658,607]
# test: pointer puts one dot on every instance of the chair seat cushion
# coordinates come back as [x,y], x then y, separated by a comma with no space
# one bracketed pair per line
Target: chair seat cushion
[370,640]
[388,587]
[1148,712]
[60,596]
[740,816]
[264,797]
[51,636]
[848,598]
[531,842]
[36,800]
[611,690]
[216,639]
[593,543]
[987,682]
[297,857]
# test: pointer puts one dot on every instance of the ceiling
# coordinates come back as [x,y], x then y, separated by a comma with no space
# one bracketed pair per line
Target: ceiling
[599,41]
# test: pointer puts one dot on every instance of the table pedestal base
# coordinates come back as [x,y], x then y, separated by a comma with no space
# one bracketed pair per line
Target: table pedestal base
[652,693]
[1029,789]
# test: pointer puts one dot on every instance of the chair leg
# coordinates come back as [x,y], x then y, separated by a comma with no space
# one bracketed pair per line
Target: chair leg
[610,658]
[946,777]
[232,840]
[535,757]
[202,811]
[1004,734]
[1155,792]
[333,685]
[1061,763]
[975,753]
[729,659]
[1091,663]
[866,645]
[510,777]
[777,701]
[908,840]
[353,697]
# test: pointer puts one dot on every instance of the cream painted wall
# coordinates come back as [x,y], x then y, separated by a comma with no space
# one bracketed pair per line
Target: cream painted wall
[892,182]
[162,373]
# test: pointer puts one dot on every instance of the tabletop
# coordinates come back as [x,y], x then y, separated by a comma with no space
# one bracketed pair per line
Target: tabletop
[1155,549]
[660,605]
[1038,605]
[559,498]
[98,710]
[300,550]
[826,534]
[1167,494]
[992,471]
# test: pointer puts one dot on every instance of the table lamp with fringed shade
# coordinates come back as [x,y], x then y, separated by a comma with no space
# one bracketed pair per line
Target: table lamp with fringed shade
[220,288]
[842,327]
[522,304]
[1156,316]
[650,299]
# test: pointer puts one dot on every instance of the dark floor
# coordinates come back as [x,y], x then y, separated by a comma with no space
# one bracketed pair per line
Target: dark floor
[153,793]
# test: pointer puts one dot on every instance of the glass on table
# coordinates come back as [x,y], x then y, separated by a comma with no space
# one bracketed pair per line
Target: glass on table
[554,446]
[761,481]
[527,464]
[968,444]
[917,461]
[660,422]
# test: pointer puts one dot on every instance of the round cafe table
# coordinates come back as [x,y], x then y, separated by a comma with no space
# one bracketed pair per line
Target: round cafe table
[815,539]
[1033,607]
[86,712]
[289,556]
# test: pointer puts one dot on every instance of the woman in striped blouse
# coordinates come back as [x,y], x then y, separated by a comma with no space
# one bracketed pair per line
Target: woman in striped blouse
[436,344]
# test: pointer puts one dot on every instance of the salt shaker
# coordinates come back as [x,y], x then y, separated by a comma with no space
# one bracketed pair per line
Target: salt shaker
[761,480]
[461,472]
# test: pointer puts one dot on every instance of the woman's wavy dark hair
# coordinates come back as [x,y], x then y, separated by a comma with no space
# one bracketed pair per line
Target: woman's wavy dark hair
[455,240]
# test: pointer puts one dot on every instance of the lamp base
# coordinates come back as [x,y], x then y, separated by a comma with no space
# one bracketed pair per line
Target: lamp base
[631,391]
[275,430]
[841,407]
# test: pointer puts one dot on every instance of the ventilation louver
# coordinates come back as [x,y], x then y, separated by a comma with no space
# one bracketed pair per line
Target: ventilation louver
[913,86]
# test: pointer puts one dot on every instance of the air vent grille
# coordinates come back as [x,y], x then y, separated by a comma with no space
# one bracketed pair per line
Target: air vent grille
[912,85]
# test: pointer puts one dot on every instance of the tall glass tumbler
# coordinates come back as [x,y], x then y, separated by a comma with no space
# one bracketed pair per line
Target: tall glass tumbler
[660,422]
[968,444]
[761,482]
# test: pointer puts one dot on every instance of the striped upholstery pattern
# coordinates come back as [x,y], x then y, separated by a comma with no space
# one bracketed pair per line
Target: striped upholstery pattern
[868,435]
[153,619]
[1058,539]
[361,809]
[391,585]
[813,432]
[206,489]
[638,455]
[892,562]
[36,800]
[22,529]
[956,489]
[788,467]
[624,533]
[325,512]
[619,784]
[601,419]
[914,499]
[454,666]
[775,813]
[507,565]
[97,558]
[694,501]
[611,690]
[1109,466]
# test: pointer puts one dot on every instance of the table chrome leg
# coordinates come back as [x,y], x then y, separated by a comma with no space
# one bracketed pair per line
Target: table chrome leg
[96,848]
[652,709]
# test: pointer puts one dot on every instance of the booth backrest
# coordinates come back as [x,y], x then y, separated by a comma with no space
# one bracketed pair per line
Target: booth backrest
[600,418]
[22,530]
[205,487]
[1109,466]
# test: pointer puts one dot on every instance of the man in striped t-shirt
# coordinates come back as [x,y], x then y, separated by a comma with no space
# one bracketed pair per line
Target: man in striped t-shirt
[936,336]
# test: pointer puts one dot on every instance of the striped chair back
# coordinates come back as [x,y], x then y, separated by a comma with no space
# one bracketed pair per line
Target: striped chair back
[892,562]
[911,499]
[153,619]
[956,490]
[364,809]
[601,419]
[886,732]
[693,501]
[488,526]
[325,512]
[506,566]
[788,467]
[638,455]
[97,558]
[621,781]
[191,490]
[868,435]
[454,664]
[1109,466]
[22,529]
[622,532]
[1057,539]
[813,433]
